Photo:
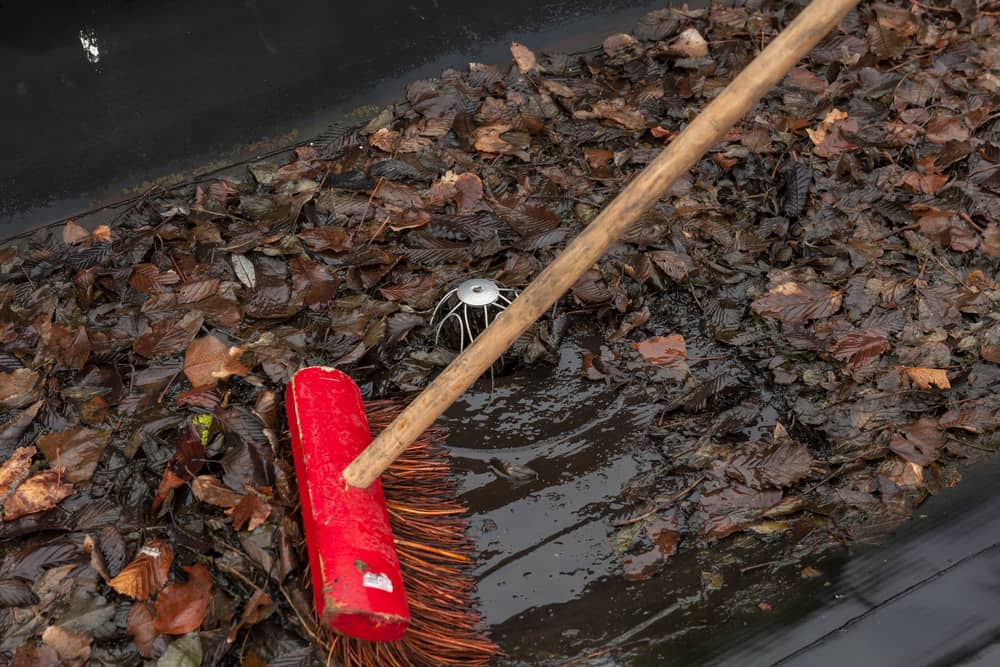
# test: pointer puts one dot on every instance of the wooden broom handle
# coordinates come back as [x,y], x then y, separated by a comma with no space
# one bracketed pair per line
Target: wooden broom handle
[808,28]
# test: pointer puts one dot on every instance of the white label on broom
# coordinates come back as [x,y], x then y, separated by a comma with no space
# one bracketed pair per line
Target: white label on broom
[377,580]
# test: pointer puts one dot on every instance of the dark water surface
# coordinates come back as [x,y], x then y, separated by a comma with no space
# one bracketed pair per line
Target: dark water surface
[102,96]
[553,591]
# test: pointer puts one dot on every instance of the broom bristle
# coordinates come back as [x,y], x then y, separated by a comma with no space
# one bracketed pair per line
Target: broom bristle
[436,558]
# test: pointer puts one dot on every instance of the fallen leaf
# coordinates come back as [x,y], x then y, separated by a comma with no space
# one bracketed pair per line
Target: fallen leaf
[181,607]
[250,512]
[919,441]
[15,470]
[809,572]
[468,192]
[619,44]
[18,388]
[688,44]
[589,370]
[795,303]
[674,264]
[859,348]
[945,127]
[39,493]
[208,489]
[168,336]
[143,578]
[925,378]
[187,460]
[258,607]
[31,655]
[73,233]
[209,360]
[73,648]
[662,350]
[140,628]
[619,112]
[76,451]
[244,270]
[785,462]
[991,240]
[818,135]
[523,56]
[13,430]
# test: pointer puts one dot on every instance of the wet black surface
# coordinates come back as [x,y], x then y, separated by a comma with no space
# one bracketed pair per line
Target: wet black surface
[554,593]
[102,96]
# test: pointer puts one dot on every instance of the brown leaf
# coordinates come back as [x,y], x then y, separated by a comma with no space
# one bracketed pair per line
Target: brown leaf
[928,179]
[186,461]
[32,655]
[919,441]
[18,387]
[258,607]
[468,192]
[674,264]
[76,450]
[785,462]
[250,512]
[589,370]
[859,348]
[147,278]
[802,78]
[945,127]
[662,350]
[13,430]
[523,56]
[991,240]
[311,281]
[168,336]
[209,360]
[208,489]
[948,231]
[147,573]
[197,290]
[140,628]
[73,648]
[74,233]
[795,303]
[326,239]
[181,608]
[619,44]
[988,352]
[15,470]
[597,158]
[688,44]
[617,111]
[925,378]
[39,493]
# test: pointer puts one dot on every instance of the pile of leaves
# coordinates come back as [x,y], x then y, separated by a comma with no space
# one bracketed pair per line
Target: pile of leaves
[840,246]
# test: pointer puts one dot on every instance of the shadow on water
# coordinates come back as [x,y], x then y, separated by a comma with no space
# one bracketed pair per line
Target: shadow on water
[553,590]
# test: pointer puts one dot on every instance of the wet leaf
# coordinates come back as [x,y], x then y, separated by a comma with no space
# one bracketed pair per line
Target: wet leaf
[147,573]
[662,350]
[250,512]
[258,607]
[859,348]
[73,233]
[945,127]
[244,270]
[140,627]
[919,441]
[31,655]
[187,460]
[785,462]
[209,360]
[181,607]
[76,451]
[688,44]
[169,336]
[927,378]
[675,265]
[18,388]
[796,303]
[185,651]
[16,593]
[15,470]
[208,489]
[12,431]
[523,56]
[39,493]
[73,648]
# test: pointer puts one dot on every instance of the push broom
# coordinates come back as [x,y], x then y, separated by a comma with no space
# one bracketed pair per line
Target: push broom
[357,579]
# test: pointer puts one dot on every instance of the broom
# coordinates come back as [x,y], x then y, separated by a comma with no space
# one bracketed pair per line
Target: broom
[357,574]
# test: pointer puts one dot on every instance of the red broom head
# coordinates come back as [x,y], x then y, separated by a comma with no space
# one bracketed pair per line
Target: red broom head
[436,558]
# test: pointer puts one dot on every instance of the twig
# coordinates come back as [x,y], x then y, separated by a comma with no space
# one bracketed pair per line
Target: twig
[661,505]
